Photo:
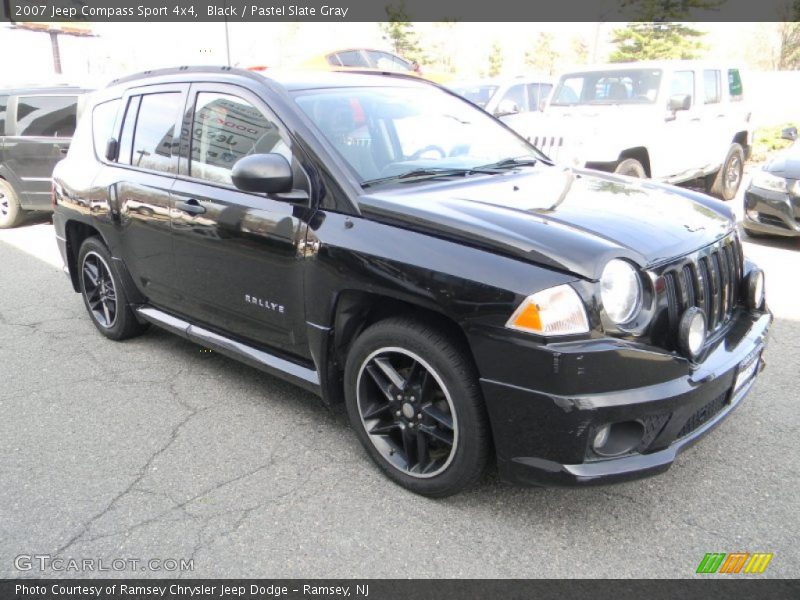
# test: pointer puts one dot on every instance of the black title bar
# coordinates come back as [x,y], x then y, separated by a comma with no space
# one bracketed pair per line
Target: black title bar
[399,10]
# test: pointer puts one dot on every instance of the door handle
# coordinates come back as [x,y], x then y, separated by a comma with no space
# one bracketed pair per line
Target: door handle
[191,206]
[63,151]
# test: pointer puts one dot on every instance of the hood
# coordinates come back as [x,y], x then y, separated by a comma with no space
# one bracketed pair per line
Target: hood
[786,163]
[561,218]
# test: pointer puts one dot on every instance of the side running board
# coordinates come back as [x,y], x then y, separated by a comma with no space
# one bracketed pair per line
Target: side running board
[264,361]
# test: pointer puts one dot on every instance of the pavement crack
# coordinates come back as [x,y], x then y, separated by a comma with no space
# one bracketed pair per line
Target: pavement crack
[79,536]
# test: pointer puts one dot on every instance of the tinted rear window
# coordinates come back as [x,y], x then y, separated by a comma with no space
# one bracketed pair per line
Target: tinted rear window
[103,118]
[735,87]
[47,116]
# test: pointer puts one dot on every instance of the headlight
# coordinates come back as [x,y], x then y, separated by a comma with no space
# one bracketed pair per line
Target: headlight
[554,311]
[767,181]
[620,291]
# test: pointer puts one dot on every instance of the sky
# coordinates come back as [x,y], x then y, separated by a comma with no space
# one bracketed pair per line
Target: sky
[120,48]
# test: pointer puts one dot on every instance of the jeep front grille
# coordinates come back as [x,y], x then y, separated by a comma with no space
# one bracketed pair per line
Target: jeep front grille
[551,145]
[709,279]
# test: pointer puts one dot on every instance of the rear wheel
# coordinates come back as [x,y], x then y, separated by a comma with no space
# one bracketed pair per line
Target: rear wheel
[413,399]
[11,214]
[631,167]
[103,296]
[725,183]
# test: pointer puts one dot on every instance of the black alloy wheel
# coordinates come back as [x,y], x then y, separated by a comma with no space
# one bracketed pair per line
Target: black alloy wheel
[407,412]
[100,290]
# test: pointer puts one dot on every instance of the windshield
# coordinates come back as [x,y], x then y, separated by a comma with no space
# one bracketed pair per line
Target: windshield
[628,86]
[388,132]
[478,94]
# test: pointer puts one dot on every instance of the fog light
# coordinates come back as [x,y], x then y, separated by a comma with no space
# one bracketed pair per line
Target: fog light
[601,437]
[755,289]
[692,332]
[618,438]
[752,215]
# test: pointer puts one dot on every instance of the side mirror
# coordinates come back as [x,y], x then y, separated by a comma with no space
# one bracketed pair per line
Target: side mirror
[679,102]
[264,173]
[112,149]
[505,108]
[790,133]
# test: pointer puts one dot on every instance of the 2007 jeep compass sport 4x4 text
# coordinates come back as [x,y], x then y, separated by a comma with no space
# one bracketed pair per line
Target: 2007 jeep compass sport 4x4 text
[378,240]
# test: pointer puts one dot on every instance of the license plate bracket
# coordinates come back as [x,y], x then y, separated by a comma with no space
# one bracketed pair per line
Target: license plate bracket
[747,369]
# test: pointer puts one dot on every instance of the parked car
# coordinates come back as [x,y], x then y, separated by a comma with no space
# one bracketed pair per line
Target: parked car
[361,59]
[772,200]
[674,121]
[379,240]
[36,125]
[514,100]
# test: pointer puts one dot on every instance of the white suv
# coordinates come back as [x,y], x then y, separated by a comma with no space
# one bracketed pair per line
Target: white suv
[673,121]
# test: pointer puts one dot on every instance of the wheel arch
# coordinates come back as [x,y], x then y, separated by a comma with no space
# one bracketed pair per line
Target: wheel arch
[639,153]
[741,138]
[76,232]
[354,311]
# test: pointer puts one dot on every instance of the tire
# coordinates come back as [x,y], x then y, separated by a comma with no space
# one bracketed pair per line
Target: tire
[435,440]
[11,214]
[725,183]
[631,167]
[103,295]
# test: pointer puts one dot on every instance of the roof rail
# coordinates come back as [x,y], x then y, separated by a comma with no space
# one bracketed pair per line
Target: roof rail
[180,70]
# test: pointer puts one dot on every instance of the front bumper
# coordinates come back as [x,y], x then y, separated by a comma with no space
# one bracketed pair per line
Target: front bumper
[545,438]
[776,213]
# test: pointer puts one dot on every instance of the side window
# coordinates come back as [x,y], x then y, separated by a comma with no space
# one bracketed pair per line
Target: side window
[683,85]
[712,88]
[333,60]
[353,58]
[47,116]
[103,118]
[536,93]
[226,128]
[516,95]
[735,84]
[3,105]
[154,137]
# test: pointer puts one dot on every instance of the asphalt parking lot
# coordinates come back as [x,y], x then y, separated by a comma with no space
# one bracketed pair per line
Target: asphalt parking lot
[154,449]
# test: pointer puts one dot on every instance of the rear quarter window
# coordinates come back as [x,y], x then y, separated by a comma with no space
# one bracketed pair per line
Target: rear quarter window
[46,116]
[104,117]
[735,87]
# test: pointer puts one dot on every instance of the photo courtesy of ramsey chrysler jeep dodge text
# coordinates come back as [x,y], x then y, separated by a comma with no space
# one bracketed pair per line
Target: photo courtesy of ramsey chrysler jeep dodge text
[380,241]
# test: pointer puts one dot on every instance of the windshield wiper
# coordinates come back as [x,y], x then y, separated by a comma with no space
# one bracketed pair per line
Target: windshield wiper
[510,163]
[428,173]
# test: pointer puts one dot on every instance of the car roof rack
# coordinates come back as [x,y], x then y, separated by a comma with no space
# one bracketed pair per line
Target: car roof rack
[183,69]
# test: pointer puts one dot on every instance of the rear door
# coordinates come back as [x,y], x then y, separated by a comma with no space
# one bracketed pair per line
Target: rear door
[140,183]
[38,138]
[716,120]
[238,254]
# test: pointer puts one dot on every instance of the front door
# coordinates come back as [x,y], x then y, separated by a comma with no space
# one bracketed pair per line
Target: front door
[237,254]
[677,153]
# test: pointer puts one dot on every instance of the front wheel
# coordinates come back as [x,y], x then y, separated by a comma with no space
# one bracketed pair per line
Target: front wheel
[725,183]
[413,399]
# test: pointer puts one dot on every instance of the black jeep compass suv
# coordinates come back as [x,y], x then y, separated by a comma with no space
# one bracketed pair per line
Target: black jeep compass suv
[378,240]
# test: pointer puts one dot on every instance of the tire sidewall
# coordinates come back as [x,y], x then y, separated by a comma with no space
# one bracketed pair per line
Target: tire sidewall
[630,167]
[464,395]
[14,211]
[735,152]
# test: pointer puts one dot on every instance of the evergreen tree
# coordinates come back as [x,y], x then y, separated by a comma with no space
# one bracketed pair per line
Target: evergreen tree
[399,32]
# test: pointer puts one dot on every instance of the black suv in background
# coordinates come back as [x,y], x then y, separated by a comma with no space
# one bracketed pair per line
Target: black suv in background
[379,240]
[36,126]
